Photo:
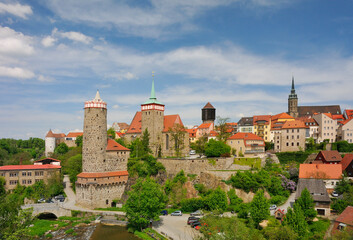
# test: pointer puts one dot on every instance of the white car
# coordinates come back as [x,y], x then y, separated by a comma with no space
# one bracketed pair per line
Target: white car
[196,213]
[176,213]
[192,152]
[273,207]
[334,194]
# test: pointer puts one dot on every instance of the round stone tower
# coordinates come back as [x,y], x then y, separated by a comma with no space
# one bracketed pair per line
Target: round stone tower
[208,113]
[94,135]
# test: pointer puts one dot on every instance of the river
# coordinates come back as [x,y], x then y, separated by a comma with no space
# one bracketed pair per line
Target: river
[106,232]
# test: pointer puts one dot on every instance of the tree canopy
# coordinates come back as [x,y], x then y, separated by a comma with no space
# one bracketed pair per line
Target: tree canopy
[259,208]
[216,148]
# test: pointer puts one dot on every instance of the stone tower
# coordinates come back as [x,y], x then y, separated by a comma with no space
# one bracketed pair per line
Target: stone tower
[94,141]
[293,102]
[208,113]
[104,161]
[152,119]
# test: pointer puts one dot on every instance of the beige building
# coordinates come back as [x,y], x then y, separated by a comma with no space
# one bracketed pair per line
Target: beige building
[28,175]
[104,161]
[291,137]
[246,143]
[327,127]
[262,126]
[345,131]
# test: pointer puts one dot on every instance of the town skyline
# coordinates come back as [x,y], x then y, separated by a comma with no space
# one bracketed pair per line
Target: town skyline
[240,56]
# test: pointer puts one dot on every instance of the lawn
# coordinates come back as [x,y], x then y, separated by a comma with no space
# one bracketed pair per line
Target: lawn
[251,162]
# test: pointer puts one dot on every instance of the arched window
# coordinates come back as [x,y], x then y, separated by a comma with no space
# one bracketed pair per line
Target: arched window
[167,142]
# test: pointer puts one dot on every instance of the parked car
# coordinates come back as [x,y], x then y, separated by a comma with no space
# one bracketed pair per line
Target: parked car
[164,212]
[334,194]
[273,207]
[42,200]
[194,224]
[192,152]
[176,213]
[197,213]
[192,219]
[59,198]
[49,200]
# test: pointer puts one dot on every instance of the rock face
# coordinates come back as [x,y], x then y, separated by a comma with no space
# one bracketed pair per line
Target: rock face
[191,192]
[212,182]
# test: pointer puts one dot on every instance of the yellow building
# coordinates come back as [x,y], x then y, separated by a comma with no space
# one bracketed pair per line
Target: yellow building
[262,126]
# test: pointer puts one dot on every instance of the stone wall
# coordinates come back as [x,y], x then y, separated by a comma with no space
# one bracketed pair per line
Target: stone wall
[94,139]
[153,120]
[116,161]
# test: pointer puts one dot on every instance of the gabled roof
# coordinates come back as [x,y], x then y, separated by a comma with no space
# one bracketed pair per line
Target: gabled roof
[347,159]
[349,113]
[213,133]
[74,134]
[310,110]
[170,121]
[28,167]
[331,155]
[245,121]
[114,146]
[120,134]
[205,125]
[346,121]
[281,116]
[208,106]
[320,171]
[293,124]
[276,125]
[245,136]
[338,117]
[55,135]
[308,120]
[329,115]
[135,126]
[261,118]
[192,132]
[103,174]
[316,187]
[346,216]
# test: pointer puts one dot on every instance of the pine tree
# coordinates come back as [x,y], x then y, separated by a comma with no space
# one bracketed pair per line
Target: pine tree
[295,219]
[259,208]
[307,204]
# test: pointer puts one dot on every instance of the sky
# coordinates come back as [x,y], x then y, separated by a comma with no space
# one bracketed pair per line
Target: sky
[240,55]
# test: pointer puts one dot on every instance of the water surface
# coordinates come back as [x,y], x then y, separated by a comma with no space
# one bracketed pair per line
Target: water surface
[105,232]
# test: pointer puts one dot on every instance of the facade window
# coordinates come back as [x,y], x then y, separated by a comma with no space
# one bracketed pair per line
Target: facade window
[292,130]
[297,143]
[13,174]
[37,180]
[287,130]
[13,182]
[23,174]
[29,181]
[297,130]
[23,182]
[297,136]
[292,144]
[167,141]
[287,144]
[292,136]
[29,174]
[287,137]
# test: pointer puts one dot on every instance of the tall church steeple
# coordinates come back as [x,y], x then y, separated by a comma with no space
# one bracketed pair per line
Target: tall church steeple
[293,101]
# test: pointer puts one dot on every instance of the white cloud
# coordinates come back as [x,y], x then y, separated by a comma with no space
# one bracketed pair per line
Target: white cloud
[42,78]
[22,11]
[48,41]
[16,72]
[77,36]
[14,43]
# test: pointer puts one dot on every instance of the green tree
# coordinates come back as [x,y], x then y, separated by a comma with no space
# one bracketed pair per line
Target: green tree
[78,141]
[74,167]
[295,219]
[199,145]
[2,186]
[61,149]
[222,128]
[145,202]
[276,231]
[146,142]
[217,200]
[177,133]
[216,148]
[234,200]
[307,204]
[111,133]
[121,142]
[259,208]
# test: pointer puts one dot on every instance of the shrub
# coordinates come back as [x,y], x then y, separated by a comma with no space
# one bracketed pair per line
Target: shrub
[286,157]
[192,204]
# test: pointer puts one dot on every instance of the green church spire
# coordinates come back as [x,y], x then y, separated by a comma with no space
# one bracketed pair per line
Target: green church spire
[153,98]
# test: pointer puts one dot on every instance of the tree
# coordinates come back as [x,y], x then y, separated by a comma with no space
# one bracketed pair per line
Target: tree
[177,133]
[222,128]
[2,186]
[306,203]
[276,231]
[217,200]
[145,202]
[78,141]
[121,141]
[216,148]
[259,208]
[199,145]
[61,149]
[74,167]
[234,200]
[111,133]
[295,219]
[146,142]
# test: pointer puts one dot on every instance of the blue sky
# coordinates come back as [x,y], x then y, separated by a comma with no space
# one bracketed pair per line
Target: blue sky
[239,55]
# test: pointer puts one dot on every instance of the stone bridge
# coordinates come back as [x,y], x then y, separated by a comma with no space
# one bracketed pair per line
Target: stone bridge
[46,208]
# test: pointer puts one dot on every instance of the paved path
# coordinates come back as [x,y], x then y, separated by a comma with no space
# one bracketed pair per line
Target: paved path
[176,227]
[286,204]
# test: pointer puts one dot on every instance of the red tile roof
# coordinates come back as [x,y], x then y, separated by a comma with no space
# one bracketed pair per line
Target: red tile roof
[192,132]
[281,116]
[170,121]
[347,159]
[329,115]
[114,146]
[266,118]
[346,216]
[102,174]
[307,120]
[55,135]
[28,167]
[74,134]
[346,121]
[232,124]
[208,105]
[52,159]
[205,125]
[349,113]
[338,117]
[120,134]
[294,124]
[276,125]
[320,171]
[213,133]
[245,136]
[135,126]
[331,156]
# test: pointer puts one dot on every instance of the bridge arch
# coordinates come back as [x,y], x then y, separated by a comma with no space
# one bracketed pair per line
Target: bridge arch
[46,215]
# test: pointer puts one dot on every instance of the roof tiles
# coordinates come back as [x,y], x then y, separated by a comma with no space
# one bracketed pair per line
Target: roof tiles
[320,171]
[102,174]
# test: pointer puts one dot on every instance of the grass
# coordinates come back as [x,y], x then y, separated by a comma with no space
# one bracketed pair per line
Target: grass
[111,209]
[251,162]
[148,233]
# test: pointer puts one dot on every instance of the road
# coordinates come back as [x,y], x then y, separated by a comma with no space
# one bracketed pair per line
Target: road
[286,204]
[175,227]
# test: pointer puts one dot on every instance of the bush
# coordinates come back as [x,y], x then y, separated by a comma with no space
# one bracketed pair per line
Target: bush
[216,148]
[286,157]
[192,204]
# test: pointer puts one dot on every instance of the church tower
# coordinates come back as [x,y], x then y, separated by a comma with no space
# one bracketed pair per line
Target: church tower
[94,142]
[208,113]
[293,102]
[152,119]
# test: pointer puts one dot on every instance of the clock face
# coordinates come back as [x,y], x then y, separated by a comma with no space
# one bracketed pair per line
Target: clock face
[152,107]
